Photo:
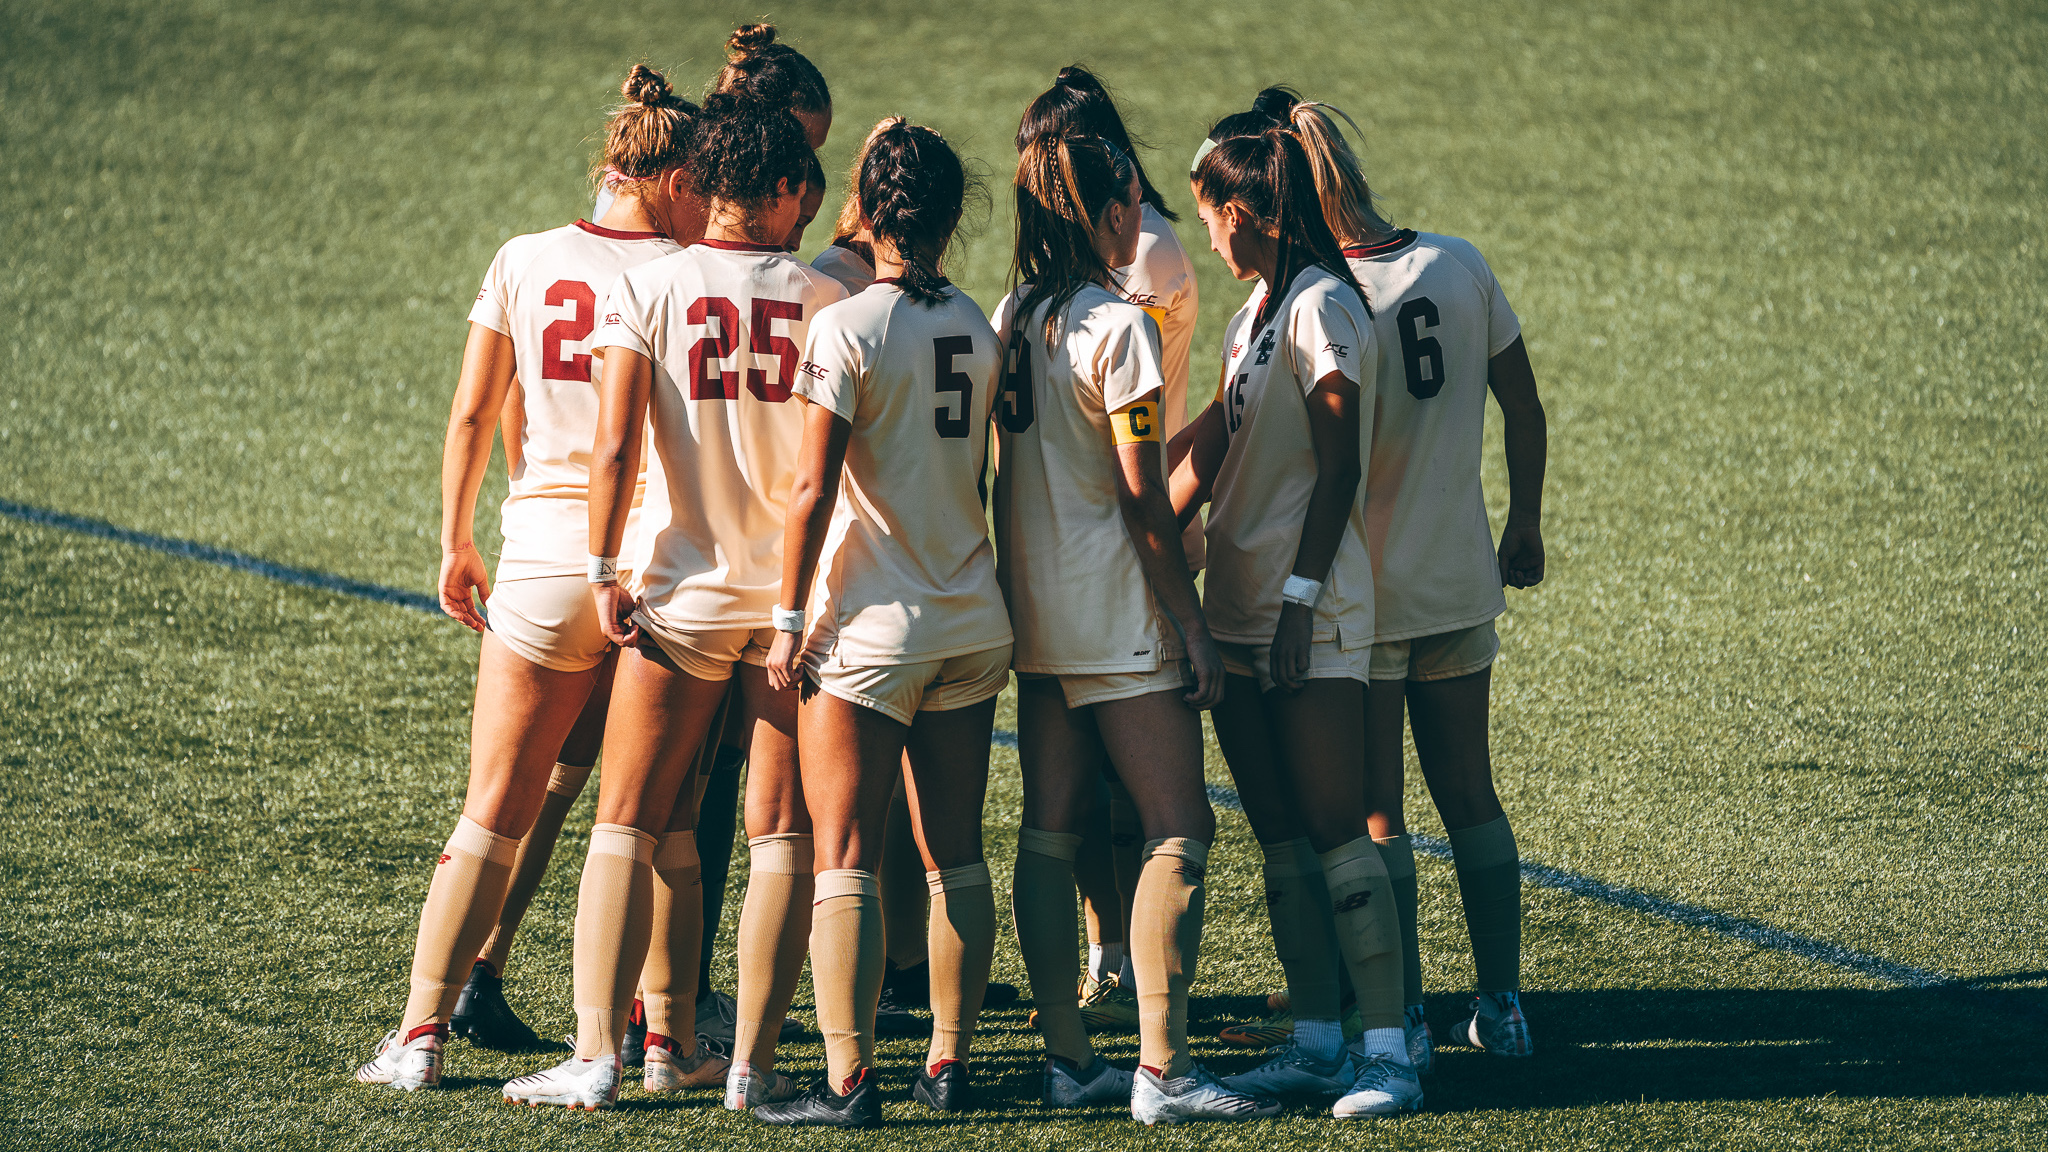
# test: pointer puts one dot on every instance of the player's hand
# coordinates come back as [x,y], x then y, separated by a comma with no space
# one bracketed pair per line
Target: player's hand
[462,577]
[1289,655]
[615,607]
[1207,665]
[1521,554]
[785,662]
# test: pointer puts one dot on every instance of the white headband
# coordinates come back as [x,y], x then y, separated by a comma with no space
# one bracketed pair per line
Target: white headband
[1207,147]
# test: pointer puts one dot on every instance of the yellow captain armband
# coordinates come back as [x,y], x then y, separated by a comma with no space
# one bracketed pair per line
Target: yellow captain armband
[1135,423]
[1158,316]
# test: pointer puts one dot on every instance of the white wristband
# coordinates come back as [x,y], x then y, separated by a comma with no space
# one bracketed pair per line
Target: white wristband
[789,620]
[1301,590]
[604,569]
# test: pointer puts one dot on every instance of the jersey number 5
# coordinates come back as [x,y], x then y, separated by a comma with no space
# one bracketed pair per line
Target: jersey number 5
[1421,355]
[950,417]
[570,329]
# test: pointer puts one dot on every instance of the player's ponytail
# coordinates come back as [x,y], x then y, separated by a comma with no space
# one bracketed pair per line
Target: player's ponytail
[1064,186]
[745,153]
[912,190]
[1349,206]
[775,74]
[1269,179]
[1078,105]
[647,135]
[848,224]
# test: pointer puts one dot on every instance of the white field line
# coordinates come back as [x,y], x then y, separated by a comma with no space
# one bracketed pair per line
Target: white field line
[1633,899]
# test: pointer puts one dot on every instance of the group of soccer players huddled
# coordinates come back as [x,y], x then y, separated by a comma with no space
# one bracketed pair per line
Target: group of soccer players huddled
[749,524]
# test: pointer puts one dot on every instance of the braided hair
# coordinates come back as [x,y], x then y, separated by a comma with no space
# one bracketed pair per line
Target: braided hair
[1078,105]
[912,191]
[1064,186]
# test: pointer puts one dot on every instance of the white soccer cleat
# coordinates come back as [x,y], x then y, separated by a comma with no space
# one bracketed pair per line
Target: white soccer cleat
[1195,1096]
[1421,1043]
[748,1087]
[1065,1088]
[666,1071]
[1497,1024]
[410,1065]
[1294,1072]
[1385,1087]
[573,1083]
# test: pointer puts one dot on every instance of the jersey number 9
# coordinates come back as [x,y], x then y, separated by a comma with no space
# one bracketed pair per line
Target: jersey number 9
[1015,405]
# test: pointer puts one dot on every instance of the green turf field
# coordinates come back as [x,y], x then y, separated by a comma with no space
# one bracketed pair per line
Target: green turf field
[1781,270]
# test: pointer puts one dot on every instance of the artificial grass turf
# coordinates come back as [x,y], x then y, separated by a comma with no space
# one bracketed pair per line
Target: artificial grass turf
[1780,271]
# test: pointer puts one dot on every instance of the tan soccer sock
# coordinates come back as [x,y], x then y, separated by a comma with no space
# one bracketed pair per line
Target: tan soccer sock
[846,969]
[1299,909]
[775,928]
[463,901]
[1490,886]
[903,888]
[530,867]
[1166,936]
[1399,854]
[1368,929]
[668,981]
[1042,906]
[614,907]
[961,944]
[1127,855]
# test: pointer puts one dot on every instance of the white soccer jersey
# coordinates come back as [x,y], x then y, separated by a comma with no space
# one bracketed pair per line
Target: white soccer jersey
[1162,282]
[542,291]
[1262,490]
[724,324]
[1441,317]
[907,574]
[1079,601]
[846,266]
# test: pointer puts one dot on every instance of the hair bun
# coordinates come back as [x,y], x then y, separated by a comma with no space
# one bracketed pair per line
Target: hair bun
[1276,102]
[748,39]
[1079,77]
[646,86]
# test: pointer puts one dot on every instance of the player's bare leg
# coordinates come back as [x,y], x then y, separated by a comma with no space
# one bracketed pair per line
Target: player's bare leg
[658,720]
[775,921]
[523,713]
[1451,741]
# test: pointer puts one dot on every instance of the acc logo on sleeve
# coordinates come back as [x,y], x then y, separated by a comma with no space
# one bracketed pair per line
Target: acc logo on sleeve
[1343,350]
[812,369]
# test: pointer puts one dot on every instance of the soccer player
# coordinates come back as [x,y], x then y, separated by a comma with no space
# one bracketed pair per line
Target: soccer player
[544,676]
[1115,655]
[1281,453]
[1161,280]
[701,349]
[850,258]
[905,644]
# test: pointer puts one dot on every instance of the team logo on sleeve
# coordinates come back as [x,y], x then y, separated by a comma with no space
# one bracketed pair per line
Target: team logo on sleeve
[612,318]
[812,369]
[1343,350]
[1265,347]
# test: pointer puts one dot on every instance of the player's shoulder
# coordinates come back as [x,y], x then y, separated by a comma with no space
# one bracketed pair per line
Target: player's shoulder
[1458,249]
[825,287]
[516,254]
[1318,289]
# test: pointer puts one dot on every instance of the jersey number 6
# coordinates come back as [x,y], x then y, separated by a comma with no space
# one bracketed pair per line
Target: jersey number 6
[1416,348]
[950,417]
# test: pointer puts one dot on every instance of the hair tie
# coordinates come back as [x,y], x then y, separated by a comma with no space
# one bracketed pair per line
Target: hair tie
[1207,147]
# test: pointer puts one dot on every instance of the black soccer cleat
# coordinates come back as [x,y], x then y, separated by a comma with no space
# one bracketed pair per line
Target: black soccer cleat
[483,1018]
[949,1091]
[821,1107]
[633,1044]
[999,995]
[893,1019]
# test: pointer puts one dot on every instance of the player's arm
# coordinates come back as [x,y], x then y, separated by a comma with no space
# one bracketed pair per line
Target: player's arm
[1333,429]
[623,390]
[813,495]
[1148,518]
[480,392]
[1196,455]
[1527,435]
[512,425]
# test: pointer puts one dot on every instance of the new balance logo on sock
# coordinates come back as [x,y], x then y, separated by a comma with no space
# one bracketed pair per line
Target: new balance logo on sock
[1355,901]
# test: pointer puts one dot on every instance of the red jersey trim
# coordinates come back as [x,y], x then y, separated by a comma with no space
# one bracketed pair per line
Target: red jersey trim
[742,246]
[615,234]
[1399,240]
